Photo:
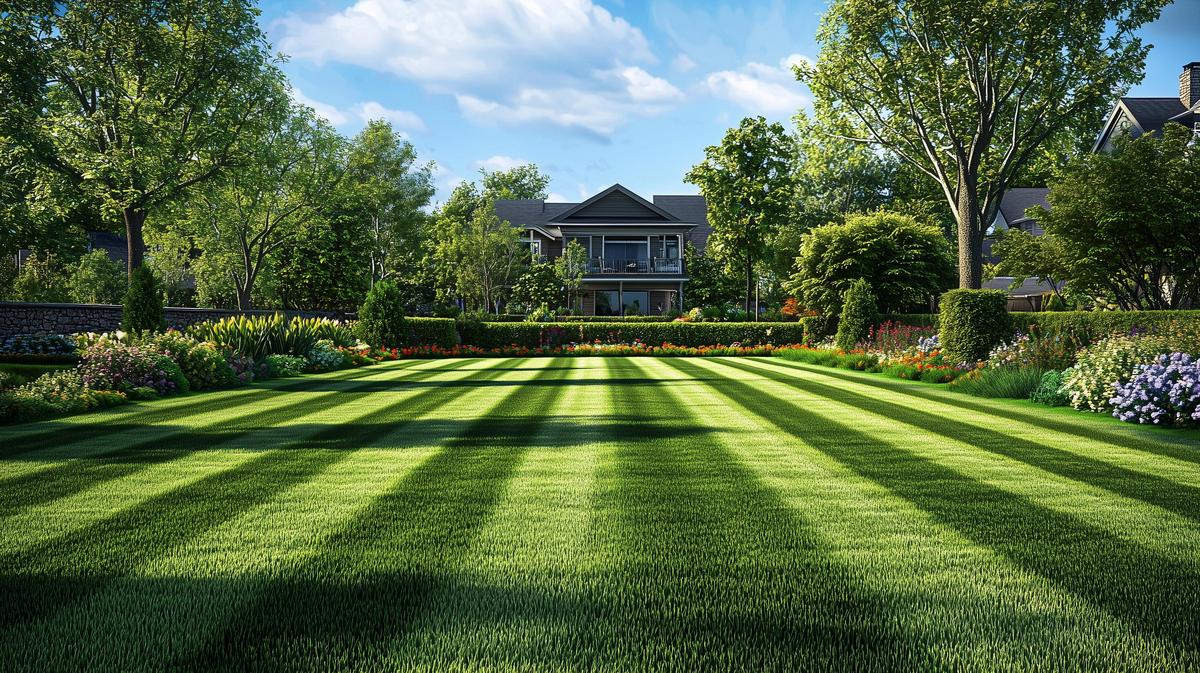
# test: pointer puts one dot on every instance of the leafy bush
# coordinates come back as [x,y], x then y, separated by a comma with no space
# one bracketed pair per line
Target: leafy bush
[972,322]
[1109,361]
[1088,327]
[1050,390]
[203,364]
[112,365]
[549,335]
[142,306]
[38,344]
[257,336]
[325,356]
[55,393]
[284,365]
[1054,351]
[1165,392]
[859,314]
[860,361]
[97,279]
[42,278]
[905,262]
[1007,382]
[381,317]
[818,328]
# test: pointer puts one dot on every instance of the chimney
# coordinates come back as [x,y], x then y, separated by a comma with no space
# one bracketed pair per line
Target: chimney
[1189,84]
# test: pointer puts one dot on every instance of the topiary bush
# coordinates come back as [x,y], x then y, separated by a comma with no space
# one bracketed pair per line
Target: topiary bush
[972,322]
[381,317]
[859,314]
[142,307]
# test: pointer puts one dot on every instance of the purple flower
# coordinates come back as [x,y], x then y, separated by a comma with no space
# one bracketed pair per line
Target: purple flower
[1165,392]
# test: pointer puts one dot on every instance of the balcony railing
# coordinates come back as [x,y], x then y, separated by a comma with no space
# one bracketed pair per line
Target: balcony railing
[605,265]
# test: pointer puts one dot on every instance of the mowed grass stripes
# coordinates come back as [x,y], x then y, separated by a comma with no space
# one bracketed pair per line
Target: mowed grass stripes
[597,514]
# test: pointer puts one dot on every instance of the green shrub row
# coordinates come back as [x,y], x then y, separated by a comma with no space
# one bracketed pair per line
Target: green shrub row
[1087,326]
[518,317]
[534,335]
[431,332]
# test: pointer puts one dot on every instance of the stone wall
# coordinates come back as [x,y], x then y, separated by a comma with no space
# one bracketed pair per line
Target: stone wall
[22,318]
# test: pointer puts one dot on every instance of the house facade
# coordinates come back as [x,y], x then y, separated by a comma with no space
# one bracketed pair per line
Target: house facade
[634,246]
[1136,116]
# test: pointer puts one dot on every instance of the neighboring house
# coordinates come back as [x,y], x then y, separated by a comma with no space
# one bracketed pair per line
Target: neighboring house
[1137,116]
[112,244]
[634,247]
[1032,293]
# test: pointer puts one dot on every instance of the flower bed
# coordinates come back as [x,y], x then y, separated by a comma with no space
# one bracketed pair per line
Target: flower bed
[635,348]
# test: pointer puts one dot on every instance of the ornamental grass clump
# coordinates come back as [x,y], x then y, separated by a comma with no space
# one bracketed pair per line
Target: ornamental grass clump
[1106,363]
[1165,392]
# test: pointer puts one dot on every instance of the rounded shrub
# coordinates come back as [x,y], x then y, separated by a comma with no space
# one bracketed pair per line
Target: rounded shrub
[142,307]
[859,314]
[381,317]
[972,323]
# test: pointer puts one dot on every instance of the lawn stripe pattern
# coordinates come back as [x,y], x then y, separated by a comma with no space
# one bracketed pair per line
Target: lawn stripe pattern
[597,514]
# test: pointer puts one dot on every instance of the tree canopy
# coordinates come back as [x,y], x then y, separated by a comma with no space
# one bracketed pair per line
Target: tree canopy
[967,92]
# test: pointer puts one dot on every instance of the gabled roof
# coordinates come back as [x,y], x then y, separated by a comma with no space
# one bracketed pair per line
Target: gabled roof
[1017,200]
[1148,114]
[615,204]
[679,210]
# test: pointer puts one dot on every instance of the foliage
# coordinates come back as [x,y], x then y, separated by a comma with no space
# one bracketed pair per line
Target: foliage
[571,266]
[906,262]
[203,364]
[327,267]
[1165,392]
[533,335]
[37,344]
[324,356]
[1017,383]
[54,393]
[161,108]
[972,322]
[826,357]
[96,279]
[142,305]
[818,328]
[390,191]
[257,336]
[968,92]
[279,366]
[540,285]
[1037,350]
[859,315]
[748,183]
[1023,255]
[710,283]
[1106,363]
[113,365]
[42,278]
[381,317]
[891,337]
[1126,222]
[1050,390]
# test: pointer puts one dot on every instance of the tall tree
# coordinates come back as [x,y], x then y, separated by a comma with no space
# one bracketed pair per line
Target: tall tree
[148,99]
[748,182]
[967,91]
[284,177]
[391,191]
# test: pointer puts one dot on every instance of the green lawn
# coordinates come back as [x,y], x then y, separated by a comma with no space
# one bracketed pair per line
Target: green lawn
[597,514]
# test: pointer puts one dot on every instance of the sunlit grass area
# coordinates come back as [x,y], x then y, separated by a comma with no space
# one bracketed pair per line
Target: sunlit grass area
[597,514]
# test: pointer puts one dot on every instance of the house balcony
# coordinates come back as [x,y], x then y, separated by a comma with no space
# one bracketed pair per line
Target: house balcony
[608,266]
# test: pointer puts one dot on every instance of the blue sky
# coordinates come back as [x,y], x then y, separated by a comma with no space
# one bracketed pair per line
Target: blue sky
[593,91]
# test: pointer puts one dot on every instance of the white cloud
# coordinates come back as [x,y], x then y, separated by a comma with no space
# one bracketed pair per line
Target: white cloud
[683,63]
[476,50]
[760,88]
[499,162]
[402,119]
[329,112]
[555,197]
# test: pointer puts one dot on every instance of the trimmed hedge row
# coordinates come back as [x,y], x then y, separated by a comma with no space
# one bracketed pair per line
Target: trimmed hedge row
[1088,326]
[973,322]
[534,335]
[431,332]
[517,317]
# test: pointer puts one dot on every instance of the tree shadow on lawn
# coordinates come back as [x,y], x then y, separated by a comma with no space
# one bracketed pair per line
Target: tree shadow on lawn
[1143,588]
[39,580]
[1172,496]
[1185,447]
[168,443]
[54,434]
[406,384]
[310,618]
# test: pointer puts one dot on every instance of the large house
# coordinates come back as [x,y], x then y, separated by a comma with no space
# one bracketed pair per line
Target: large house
[634,247]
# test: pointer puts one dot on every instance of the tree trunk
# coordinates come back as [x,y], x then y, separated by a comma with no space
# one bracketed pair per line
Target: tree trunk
[749,286]
[135,219]
[970,236]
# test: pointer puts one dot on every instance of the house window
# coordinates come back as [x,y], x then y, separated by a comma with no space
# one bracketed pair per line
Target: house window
[533,244]
[607,303]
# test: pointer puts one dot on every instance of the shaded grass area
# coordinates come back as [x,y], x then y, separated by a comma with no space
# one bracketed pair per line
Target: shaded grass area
[588,514]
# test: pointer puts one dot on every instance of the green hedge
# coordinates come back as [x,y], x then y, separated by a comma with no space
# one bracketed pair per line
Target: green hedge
[973,322]
[517,317]
[431,332]
[817,328]
[533,335]
[1088,326]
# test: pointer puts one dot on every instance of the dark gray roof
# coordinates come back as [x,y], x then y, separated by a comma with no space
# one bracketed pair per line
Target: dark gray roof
[113,244]
[521,212]
[1152,113]
[1018,199]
